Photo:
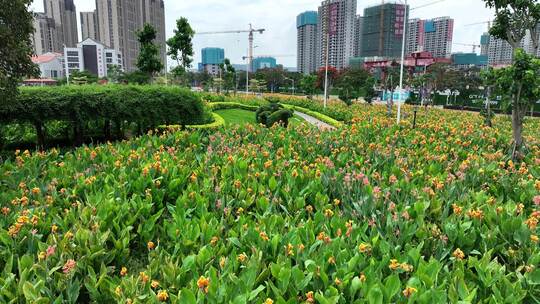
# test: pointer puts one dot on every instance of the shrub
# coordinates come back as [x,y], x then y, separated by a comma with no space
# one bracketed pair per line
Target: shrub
[145,106]
[273,113]
[280,117]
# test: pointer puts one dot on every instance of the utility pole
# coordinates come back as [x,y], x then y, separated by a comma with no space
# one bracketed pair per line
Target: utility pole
[326,67]
[402,63]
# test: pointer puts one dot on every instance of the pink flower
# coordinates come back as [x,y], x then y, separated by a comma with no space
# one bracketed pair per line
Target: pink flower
[69,266]
[51,250]
[365,181]
[536,200]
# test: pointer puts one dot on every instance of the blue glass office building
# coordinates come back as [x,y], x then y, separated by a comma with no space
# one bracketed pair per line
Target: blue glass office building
[213,56]
[260,63]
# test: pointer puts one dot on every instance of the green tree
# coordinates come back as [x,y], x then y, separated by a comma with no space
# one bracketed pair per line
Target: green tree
[274,77]
[354,83]
[513,19]
[228,75]
[148,61]
[308,84]
[114,73]
[181,49]
[16,29]
[519,86]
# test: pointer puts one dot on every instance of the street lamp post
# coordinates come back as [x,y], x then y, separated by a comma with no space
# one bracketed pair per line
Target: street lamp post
[402,64]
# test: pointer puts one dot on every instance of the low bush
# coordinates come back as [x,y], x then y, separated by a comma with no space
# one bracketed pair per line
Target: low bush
[273,113]
[145,106]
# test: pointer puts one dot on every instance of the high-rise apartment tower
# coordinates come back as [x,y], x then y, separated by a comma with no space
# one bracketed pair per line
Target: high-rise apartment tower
[306,24]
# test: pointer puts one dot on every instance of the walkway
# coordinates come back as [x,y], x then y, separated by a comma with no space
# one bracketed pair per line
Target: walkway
[314,121]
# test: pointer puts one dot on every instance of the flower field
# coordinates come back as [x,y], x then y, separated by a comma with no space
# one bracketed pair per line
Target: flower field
[369,213]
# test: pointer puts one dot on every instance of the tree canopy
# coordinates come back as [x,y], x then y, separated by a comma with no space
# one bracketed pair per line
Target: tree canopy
[148,61]
[16,29]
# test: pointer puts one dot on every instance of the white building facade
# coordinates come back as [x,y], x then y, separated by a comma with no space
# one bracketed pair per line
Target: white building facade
[51,65]
[91,56]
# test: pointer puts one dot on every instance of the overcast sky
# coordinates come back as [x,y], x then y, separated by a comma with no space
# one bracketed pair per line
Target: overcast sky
[278,17]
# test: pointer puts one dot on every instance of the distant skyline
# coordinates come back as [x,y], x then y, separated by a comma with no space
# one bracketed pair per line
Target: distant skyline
[278,17]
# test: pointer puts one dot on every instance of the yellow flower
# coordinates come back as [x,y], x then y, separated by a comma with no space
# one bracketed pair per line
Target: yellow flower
[242,257]
[534,238]
[123,271]
[42,256]
[289,249]
[328,213]
[269,301]
[222,262]
[364,248]
[214,241]
[54,228]
[458,254]
[394,264]
[162,296]
[337,281]
[154,284]
[118,290]
[409,291]
[337,202]
[362,278]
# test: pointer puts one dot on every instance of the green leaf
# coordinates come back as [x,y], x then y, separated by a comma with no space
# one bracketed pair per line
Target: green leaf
[253,294]
[375,295]
[187,297]
[392,286]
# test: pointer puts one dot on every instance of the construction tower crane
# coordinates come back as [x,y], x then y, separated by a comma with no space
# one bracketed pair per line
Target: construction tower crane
[483,22]
[474,46]
[251,31]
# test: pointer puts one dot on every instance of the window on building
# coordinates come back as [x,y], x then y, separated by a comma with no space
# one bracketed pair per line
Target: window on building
[72,53]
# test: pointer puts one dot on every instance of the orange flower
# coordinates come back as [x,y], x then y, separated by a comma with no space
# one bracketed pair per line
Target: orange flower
[123,271]
[203,284]
[242,257]
[144,277]
[409,291]
[458,254]
[214,241]
[154,284]
[457,209]
[151,245]
[362,277]
[162,296]
[309,297]
[263,236]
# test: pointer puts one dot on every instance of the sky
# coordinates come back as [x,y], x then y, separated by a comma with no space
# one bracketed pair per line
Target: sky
[278,17]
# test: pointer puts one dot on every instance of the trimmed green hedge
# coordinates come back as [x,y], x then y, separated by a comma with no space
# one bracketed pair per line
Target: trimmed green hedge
[111,105]
[231,105]
[319,116]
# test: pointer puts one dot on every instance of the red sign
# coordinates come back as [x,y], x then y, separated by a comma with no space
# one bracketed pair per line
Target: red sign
[333,19]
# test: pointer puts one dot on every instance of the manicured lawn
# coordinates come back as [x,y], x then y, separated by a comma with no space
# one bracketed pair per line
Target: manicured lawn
[241,117]
[237,116]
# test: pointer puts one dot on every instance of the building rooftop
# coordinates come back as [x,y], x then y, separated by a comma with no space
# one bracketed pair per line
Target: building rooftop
[47,57]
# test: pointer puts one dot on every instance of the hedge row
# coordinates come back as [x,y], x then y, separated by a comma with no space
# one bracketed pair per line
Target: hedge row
[113,106]
[232,105]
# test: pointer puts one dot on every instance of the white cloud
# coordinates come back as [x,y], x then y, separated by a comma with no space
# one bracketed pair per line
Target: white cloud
[278,17]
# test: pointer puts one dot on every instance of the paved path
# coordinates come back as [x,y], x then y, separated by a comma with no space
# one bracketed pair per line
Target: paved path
[314,121]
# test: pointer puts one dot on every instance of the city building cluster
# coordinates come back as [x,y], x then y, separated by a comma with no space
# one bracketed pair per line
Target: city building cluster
[333,35]
[336,36]
[108,36]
